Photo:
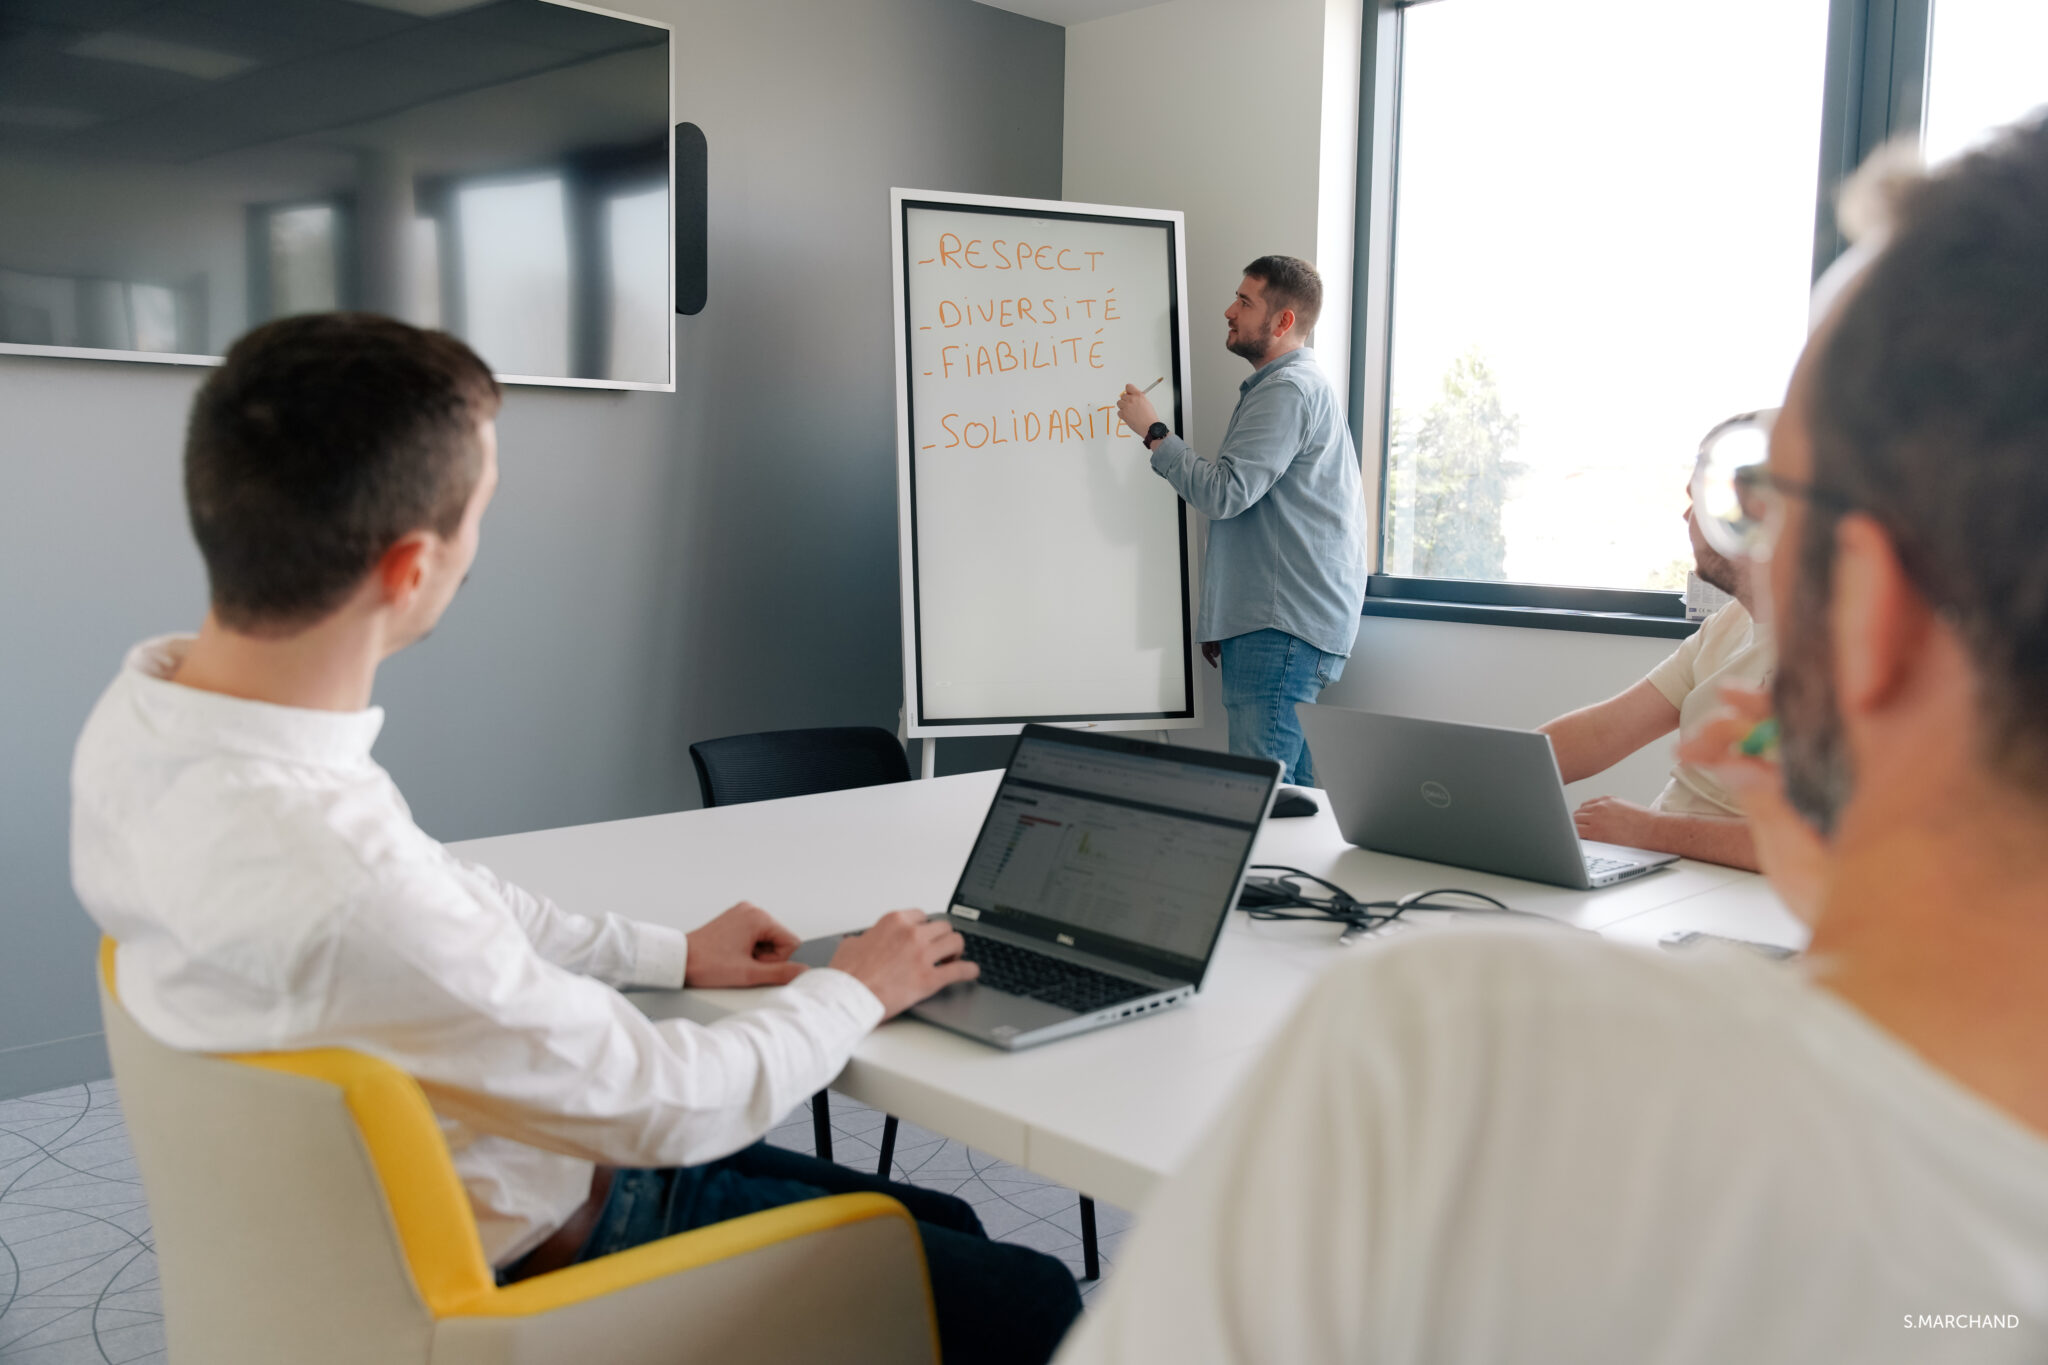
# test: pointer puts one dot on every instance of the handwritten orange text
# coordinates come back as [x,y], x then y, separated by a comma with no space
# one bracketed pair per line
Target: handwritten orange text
[1003,254]
[1002,357]
[1023,428]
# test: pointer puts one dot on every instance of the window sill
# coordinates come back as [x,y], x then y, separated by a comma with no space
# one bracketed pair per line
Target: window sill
[1534,618]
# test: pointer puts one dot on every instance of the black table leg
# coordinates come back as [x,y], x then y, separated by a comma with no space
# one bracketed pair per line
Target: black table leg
[821,1125]
[888,1146]
[1091,1261]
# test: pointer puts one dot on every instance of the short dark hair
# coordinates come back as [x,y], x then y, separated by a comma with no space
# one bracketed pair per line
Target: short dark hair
[1929,405]
[1291,283]
[319,443]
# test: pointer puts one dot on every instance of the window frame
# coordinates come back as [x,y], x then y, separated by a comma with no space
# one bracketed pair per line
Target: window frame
[1874,87]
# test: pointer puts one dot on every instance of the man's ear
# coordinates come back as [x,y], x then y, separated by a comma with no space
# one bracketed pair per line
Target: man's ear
[402,569]
[1283,324]
[1880,621]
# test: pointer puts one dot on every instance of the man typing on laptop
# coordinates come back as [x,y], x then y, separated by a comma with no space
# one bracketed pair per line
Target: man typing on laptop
[269,890]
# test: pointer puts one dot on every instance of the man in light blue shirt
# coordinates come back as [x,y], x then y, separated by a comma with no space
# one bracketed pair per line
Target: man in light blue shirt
[1284,579]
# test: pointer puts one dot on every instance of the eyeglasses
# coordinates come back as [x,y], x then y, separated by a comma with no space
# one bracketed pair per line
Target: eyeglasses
[1737,502]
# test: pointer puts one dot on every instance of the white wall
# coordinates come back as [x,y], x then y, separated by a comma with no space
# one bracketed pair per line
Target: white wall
[1216,108]
[1243,115]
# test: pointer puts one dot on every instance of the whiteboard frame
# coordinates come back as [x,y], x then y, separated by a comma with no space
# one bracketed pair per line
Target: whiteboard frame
[916,725]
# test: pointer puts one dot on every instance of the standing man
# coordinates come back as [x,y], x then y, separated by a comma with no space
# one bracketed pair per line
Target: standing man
[1284,578]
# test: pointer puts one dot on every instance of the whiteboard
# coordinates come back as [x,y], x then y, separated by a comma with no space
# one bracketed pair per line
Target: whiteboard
[1044,564]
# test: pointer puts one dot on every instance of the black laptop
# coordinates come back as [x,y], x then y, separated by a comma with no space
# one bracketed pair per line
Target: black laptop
[1098,885]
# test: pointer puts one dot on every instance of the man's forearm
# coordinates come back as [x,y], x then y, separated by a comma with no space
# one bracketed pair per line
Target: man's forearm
[1723,839]
[1215,488]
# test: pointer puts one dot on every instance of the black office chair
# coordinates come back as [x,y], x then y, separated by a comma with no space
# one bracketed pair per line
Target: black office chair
[778,763]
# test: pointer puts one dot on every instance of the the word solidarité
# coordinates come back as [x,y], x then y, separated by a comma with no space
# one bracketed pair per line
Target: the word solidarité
[1055,424]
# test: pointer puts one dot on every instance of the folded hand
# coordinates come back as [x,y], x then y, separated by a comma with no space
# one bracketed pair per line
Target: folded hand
[1791,852]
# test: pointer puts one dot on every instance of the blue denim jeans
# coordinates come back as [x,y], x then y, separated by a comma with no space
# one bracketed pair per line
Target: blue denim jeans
[1264,674]
[998,1303]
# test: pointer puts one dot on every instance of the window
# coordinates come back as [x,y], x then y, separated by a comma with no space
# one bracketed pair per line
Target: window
[641,311]
[1984,70]
[1603,239]
[304,261]
[515,274]
[1588,234]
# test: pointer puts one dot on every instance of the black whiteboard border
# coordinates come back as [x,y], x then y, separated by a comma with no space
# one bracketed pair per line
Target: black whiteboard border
[917,724]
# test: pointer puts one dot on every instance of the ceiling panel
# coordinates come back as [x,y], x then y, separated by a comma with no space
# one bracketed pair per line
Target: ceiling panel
[1064,12]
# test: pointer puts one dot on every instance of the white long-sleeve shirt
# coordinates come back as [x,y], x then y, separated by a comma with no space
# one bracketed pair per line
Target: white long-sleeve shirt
[268,889]
[1539,1147]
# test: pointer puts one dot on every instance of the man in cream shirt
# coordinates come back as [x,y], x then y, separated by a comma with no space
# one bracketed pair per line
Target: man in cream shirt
[268,888]
[1694,816]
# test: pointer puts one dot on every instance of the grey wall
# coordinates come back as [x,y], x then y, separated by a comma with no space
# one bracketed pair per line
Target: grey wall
[656,568]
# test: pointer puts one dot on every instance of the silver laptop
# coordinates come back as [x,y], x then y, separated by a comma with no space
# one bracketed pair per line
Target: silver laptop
[1469,795]
[1097,886]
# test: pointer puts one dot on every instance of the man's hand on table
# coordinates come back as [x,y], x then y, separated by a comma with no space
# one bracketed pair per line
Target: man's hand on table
[745,946]
[904,959]
[1610,820]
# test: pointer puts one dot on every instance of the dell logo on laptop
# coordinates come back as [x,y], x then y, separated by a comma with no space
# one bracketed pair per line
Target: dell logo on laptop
[1437,794]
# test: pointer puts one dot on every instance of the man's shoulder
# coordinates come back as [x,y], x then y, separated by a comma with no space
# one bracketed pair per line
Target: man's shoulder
[181,834]
[1504,986]
[1301,372]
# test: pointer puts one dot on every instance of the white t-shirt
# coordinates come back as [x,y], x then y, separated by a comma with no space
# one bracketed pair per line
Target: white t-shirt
[1727,648]
[1539,1147]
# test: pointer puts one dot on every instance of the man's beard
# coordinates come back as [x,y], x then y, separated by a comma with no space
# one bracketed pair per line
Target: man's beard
[1811,745]
[1716,570]
[1249,347]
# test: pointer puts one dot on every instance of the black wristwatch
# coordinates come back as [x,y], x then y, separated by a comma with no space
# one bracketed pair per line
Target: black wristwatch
[1155,432]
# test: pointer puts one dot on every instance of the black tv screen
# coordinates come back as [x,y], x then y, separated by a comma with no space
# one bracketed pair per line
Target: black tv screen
[173,172]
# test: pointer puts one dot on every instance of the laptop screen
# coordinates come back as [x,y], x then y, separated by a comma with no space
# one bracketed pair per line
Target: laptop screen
[1122,847]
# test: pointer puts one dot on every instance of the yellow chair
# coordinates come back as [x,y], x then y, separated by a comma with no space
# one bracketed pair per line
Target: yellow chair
[306,1213]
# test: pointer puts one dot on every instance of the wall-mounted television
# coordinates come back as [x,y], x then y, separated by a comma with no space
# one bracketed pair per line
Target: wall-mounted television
[173,172]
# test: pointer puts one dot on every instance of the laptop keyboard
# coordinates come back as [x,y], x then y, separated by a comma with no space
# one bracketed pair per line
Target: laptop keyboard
[1036,976]
[1597,866]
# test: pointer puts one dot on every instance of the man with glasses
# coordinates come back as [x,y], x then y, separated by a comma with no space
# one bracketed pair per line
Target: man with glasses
[1695,816]
[1539,1146]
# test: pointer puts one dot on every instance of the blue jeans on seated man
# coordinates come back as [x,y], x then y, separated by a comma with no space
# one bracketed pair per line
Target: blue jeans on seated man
[1264,674]
[996,1302]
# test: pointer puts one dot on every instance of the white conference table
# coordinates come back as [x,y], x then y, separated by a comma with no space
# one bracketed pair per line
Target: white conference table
[1109,1113]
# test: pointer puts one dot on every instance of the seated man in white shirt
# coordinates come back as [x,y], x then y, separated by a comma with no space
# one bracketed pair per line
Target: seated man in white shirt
[268,889]
[1695,816]
[1542,1147]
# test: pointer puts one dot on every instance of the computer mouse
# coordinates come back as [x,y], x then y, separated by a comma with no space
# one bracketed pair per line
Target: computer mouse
[1291,804]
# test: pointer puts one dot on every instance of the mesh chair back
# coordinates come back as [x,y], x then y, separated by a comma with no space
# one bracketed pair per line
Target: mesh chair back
[777,763]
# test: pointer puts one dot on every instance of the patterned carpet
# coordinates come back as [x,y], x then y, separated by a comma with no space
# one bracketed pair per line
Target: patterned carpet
[78,1281]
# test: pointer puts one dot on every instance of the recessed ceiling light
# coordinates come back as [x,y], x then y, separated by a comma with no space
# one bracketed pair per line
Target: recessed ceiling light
[425,9]
[138,50]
